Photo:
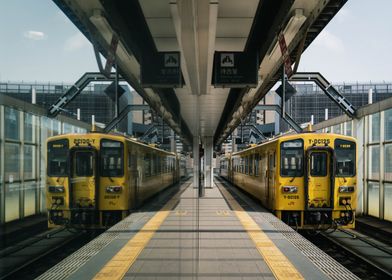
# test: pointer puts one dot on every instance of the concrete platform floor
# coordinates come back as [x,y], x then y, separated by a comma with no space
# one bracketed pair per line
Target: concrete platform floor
[199,238]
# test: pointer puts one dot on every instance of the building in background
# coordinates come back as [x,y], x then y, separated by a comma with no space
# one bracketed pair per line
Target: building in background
[309,100]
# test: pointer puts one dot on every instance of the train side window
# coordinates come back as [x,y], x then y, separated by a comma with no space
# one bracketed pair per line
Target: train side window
[158,164]
[251,165]
[291,158]
[112,158]
[147,165]
[246,165]
[257,159]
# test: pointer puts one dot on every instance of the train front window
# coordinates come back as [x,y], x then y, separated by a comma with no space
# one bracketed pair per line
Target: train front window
[58,158]
[112,158]
[345,158]
[318,164]
[291,158]
[84,164]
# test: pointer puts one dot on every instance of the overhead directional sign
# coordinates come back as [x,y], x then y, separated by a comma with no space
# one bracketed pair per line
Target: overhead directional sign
[161,70]
[285,54]
[235,69]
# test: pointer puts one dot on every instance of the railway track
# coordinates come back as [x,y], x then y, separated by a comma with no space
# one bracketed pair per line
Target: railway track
[27,259]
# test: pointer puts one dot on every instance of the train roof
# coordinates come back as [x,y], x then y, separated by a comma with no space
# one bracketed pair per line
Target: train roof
[114,136]
[286,137]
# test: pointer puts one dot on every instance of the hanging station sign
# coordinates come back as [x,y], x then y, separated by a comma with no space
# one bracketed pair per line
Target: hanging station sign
[235,69]
[161,70]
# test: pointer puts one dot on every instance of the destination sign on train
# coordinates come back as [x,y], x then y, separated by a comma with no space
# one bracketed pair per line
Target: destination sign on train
[235,69]
[161,70]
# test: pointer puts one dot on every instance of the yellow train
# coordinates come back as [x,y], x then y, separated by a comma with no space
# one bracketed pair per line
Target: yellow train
[95,179]
[308,180]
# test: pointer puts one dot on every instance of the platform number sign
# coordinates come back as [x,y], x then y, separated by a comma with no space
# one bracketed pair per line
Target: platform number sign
[161,70]
[235,69]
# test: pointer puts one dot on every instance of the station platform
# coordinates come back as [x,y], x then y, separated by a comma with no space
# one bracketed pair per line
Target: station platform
[224,235]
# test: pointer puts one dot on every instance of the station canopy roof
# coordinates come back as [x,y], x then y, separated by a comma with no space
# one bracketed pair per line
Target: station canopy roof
[197,29]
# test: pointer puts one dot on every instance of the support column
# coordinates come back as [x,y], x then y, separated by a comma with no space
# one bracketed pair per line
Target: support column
[208,155]
[196,162]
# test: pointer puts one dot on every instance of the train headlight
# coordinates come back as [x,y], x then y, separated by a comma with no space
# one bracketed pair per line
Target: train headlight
[113,189]
[56,189]
[290,189]
[346,189]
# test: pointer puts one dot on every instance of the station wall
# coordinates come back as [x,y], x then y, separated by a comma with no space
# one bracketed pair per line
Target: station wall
[24,129]
[373,130]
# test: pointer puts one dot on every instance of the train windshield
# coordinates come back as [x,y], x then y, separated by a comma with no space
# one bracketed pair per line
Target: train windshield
[345,158]
[112,158]
[291,158]
[58,158]
[84,163]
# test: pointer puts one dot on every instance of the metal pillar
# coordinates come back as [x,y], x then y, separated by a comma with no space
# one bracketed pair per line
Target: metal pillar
[196,162]
[116,104]
[208,154]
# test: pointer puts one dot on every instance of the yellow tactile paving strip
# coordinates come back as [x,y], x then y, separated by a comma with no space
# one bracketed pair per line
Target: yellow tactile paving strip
[124,259]
[280,266]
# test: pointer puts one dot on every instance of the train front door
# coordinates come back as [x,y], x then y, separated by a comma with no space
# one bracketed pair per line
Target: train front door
[319,179]
[83,179]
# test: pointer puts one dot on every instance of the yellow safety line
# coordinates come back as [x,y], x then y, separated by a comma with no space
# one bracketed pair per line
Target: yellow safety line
[124,259]
[280,266]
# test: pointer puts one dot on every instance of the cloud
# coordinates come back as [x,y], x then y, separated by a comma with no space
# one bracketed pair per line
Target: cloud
[330,42]
[76,42]
[34,35]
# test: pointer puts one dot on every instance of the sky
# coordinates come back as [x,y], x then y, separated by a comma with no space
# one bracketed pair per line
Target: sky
[38,43]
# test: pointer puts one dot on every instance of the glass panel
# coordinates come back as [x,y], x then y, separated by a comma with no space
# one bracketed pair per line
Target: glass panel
[349,128]
[374,162]
[28,129]
[56,128]
[387,202]
[67,128]
[337,129]
[29,162]
[388,163]
[11,202]
[374,129]
[30,198]
[318,164]
[388,124]
[11,169]
[42,192]
[11,123]
[373,199]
